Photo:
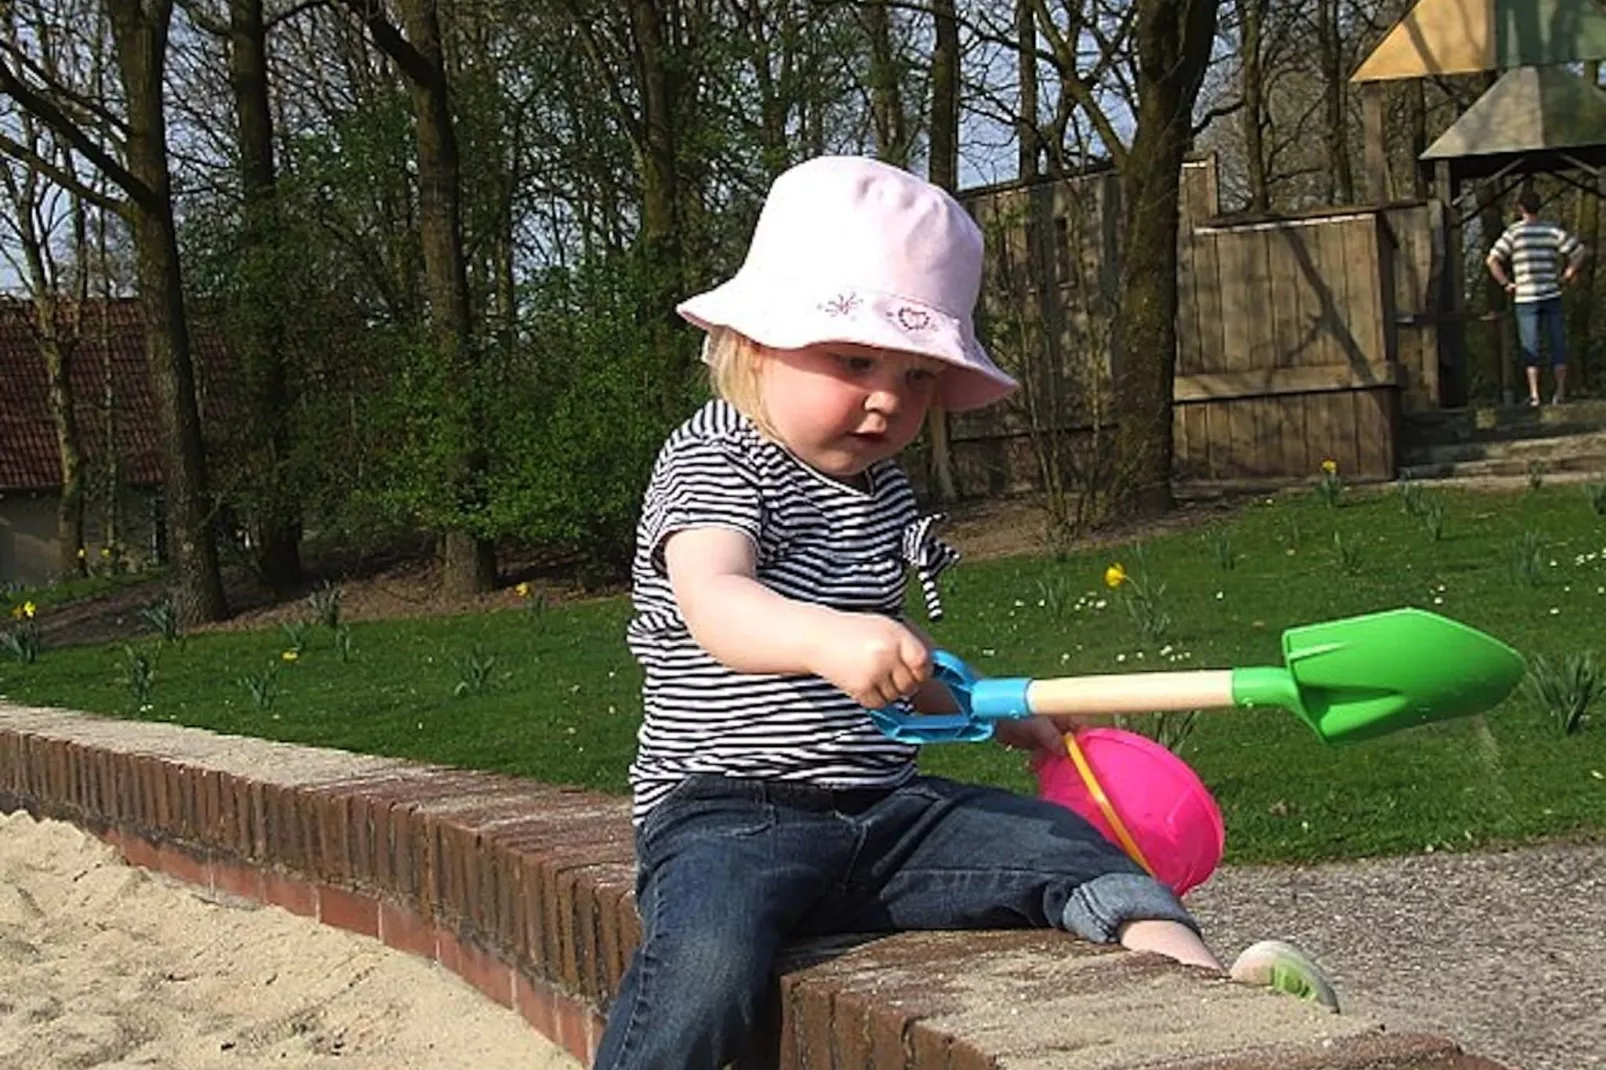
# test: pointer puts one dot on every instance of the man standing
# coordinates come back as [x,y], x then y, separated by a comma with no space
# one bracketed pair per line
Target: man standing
[1543,258]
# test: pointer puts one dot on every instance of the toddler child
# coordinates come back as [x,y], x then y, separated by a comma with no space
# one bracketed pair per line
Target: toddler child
[774,545]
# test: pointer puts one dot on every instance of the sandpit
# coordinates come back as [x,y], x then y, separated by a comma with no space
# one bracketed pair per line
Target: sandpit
[106,965]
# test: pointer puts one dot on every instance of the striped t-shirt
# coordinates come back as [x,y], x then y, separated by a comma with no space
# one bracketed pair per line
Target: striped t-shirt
[1538,253]
[818,540]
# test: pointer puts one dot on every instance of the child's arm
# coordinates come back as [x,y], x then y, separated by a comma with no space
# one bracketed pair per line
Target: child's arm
[750,628]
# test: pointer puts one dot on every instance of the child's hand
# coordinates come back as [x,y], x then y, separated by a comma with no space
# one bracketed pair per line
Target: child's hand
[1031,733]
[875,659]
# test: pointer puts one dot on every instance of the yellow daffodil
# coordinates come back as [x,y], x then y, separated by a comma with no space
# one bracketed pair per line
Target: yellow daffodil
[29,609]
[522,590]
[80,553]
[1330,466]
[1114,576]
[289,655]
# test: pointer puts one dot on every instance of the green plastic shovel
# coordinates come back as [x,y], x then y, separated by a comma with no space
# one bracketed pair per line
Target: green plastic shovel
[1348,679]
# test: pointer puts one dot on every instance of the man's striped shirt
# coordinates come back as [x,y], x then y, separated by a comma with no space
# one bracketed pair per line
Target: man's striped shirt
[1538,252]
[818,540]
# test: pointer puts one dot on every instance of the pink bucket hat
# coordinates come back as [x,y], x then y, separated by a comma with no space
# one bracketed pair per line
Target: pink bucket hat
[848,249]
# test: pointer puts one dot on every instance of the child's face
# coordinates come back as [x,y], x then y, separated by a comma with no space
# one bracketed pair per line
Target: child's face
[840,407]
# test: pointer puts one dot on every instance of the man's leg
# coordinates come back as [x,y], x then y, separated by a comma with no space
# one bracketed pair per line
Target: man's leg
[1556,330]
[1527,314]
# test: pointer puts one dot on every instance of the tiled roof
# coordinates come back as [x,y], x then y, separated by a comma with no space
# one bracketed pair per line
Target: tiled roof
[114,342]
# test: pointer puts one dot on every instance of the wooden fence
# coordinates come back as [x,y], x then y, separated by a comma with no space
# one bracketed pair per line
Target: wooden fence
[1301,339]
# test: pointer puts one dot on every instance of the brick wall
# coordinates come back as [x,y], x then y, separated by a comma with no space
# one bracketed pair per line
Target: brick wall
[524,890]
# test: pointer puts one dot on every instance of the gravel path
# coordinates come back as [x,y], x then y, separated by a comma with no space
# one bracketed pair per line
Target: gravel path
[1503,952]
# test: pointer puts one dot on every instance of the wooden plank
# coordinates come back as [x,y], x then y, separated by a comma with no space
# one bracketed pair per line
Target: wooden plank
[1197,420]
[1239,418]
[1258,296]
[1265,381]
[1289,259]
[1321,432]
[1237,308]
[1331,285]
[1291,452]
[1363,278]
[1188,351]
[1207,290]
[1374,434]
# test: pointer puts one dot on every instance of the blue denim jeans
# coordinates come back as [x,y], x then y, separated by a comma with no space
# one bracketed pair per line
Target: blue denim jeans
[1532,316]
[728,870]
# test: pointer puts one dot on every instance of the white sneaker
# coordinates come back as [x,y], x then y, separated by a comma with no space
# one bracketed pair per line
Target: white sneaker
[1282,967]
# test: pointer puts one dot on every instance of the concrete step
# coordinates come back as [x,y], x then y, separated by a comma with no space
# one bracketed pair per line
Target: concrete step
[1579,466]
[1501,423]
[1550,449]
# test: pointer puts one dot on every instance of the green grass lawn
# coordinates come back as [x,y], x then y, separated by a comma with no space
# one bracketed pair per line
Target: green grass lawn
[559,700]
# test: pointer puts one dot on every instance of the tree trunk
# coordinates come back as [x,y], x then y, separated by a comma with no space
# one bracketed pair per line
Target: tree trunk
[140,35]
[1251,18]
[1029,142]
[886,99]
[944,172]
[658,161]
[1173,42]
[468,563]
[1583,305]
[276,509]
[58,355]
[1341,178]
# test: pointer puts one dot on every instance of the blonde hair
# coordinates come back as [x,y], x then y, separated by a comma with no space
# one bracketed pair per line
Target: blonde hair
[734,369]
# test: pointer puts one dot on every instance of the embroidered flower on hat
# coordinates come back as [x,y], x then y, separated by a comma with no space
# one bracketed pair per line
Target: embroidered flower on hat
[843,304]
[913,319]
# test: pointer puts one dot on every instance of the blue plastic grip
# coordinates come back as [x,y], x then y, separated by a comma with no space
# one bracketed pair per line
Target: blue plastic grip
[982,703]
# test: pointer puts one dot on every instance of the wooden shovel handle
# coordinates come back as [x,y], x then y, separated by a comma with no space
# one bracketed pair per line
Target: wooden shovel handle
[1141,692]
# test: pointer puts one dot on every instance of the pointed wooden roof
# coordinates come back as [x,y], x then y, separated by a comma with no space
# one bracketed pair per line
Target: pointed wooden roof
[1466,36]
[1530,109]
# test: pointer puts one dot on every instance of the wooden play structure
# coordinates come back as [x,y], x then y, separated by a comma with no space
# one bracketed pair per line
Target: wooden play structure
[1302,338]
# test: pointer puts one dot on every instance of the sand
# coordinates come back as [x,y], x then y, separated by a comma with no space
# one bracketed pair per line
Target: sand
[105,965]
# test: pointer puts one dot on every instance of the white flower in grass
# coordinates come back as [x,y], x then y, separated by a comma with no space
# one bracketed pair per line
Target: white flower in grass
[1555,611]
[1437,600]
[1100,604]
[1220,595]
[1120,658]
[988,652]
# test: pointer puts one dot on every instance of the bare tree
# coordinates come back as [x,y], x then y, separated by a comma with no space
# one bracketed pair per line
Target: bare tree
[469,561]
[39,210]
[131,152]
[1173,41]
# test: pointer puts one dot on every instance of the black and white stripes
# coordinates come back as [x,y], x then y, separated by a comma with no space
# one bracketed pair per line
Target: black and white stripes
[818,540]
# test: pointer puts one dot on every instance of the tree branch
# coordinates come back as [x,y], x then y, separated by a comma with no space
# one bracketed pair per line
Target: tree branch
[16,150]
[390,41]
[52,116]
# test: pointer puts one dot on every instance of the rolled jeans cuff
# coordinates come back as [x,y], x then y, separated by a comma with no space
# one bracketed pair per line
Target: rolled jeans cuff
[1098,908]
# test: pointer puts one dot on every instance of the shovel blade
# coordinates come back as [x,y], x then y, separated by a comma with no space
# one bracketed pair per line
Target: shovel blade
[1370,675]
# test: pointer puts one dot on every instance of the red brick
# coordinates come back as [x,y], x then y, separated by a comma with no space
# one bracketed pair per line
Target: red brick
[401,927]
[850,1014]
[209,802]
[253,804]
[348,910]
[477,966]
[574,1028]
[929,1046]
[537,1002]
[810,1004]
[290,893]
[138,851]
[237,878]
[182,865]
[889,1043]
